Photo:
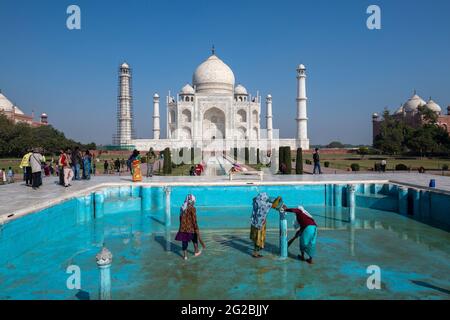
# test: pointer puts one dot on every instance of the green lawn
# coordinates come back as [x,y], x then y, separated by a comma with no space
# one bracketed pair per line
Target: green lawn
[343,161]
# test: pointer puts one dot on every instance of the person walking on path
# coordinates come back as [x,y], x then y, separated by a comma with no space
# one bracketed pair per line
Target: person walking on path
[151,158]
[316,159]
[36,160]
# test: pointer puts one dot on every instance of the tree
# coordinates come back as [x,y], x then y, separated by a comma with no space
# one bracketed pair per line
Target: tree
[167,164]
[299,162]
[391,137]
[335,144]
[17,138]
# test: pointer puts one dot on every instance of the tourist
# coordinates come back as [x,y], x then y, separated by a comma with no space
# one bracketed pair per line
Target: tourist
[189,230]
[117,165]
[261,207]
[94,168]
[76,160]
[10,175]
[87,160]
[151,158]
[307,233]
[46,169]
[134,162]
[25,165]
[36,160]
[123,165]
[383,165]
[316,159]
[67,168]
[105,167]
[192,171]
[3,176]
[60,167]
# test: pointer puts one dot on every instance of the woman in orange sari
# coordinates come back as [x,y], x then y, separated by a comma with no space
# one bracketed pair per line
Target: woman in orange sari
[135,164]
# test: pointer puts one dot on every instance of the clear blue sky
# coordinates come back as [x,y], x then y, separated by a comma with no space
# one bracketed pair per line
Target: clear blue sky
[352,71]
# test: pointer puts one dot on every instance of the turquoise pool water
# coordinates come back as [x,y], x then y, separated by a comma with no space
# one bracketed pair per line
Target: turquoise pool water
[413,255]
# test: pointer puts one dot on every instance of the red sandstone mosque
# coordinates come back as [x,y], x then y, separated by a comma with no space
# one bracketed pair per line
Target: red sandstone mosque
[16,115]
[409,114]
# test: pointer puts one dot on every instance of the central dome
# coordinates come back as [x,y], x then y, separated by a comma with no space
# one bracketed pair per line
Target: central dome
[213,76]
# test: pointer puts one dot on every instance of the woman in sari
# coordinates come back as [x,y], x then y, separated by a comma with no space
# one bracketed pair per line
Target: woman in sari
[135,165]
[189,230]
[87,159]
[261,207]
[307,233]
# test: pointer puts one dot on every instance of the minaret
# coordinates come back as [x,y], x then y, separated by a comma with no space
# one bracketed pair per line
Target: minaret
[156,127]
[302,119]
[124,109]
[269,117]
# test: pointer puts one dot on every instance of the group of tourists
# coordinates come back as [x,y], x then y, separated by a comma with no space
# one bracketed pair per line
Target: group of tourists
[69,166]
[74,166]
[306,227]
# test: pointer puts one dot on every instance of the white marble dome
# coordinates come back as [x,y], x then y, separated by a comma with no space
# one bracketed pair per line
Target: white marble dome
[213,76]
[187,89]
[8,106]
[125,65]
[413,103]
[433,106]
[240,89]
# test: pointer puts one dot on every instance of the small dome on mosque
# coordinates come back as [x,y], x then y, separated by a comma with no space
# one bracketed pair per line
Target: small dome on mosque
[240,89]
[413,103]
[187,89]
[433,106]
[213,76]
[125,65]
[156,95]
[301,67]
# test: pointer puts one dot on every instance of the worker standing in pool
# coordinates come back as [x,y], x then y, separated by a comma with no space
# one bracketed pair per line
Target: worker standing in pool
[189,230]
[261,207]
[307,233]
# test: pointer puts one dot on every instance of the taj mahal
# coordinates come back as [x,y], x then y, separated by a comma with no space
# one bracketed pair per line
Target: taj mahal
[212,112]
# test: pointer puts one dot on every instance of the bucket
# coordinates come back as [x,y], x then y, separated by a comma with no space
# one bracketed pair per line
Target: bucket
[432,183]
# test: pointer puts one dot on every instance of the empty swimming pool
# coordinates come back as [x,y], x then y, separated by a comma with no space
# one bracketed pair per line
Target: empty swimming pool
[403,231]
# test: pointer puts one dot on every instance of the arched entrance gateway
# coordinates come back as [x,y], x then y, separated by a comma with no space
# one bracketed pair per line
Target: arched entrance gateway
[214,124]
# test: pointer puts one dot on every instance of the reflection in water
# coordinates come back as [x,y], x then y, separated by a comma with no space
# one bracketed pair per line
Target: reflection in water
[352,239]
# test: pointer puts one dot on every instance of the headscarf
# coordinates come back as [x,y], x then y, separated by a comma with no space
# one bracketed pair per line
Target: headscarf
[190,200]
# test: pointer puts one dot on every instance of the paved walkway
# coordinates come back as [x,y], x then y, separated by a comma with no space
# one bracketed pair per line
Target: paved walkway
[17,199]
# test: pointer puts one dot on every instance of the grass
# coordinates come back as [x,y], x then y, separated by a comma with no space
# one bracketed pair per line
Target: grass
[343,161]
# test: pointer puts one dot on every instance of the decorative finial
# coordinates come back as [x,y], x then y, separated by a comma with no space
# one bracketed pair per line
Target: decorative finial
[415,91]
[213,50]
